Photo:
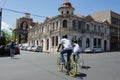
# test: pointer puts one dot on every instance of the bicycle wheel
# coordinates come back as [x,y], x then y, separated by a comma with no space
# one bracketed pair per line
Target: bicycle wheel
[80,62]
[59,65]
[72,68]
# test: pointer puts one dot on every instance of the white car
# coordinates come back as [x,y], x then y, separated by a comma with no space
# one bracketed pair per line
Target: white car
[94,50]
[30,48]
[87,50]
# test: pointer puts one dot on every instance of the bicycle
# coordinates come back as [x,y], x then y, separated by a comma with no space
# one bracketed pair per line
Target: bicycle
[70,66]
[79,60]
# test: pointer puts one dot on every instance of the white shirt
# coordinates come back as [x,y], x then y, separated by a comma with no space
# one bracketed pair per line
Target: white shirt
[76,48]
[66,43]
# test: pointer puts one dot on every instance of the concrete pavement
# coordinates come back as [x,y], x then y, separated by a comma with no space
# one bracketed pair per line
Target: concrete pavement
[42,66]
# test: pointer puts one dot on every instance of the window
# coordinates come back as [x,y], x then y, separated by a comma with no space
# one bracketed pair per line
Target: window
[62,12]
[74,25]
[87,43]
[79,25]
[53,41]
[95,42]
[53,26]
[114,20]
[67,12]
[64,23]
[99,29]
[56,40]
[56,24]
[99,43]
[87,27]
[94,27]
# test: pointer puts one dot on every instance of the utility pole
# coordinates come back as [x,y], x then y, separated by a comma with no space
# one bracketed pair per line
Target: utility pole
[0,23]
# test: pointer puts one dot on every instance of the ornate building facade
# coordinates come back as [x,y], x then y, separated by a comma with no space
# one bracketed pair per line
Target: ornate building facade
[87,31]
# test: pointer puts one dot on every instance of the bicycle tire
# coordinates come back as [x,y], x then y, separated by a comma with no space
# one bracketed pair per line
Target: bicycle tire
[59,65]
[72,71]
[80,62]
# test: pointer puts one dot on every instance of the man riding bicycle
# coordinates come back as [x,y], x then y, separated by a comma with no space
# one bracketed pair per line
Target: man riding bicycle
[67,48]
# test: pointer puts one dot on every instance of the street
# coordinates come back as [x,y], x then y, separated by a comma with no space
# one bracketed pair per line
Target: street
[42,66]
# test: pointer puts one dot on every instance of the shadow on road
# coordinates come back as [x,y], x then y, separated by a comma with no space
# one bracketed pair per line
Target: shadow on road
[81,75]
[85,67]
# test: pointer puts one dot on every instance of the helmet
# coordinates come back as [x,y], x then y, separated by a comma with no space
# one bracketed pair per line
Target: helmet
[65,36]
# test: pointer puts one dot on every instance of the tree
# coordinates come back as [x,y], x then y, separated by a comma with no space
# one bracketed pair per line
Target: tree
[13,36]
[5,37]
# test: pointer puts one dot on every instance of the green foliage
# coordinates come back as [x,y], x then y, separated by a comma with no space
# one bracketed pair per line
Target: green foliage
[13,36]
[5,37]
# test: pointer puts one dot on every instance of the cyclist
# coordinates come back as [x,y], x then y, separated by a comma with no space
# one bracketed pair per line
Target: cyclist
[67,48]
[76,49]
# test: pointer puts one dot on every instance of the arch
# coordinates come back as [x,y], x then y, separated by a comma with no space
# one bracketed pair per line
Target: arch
[64,23]
[87,43]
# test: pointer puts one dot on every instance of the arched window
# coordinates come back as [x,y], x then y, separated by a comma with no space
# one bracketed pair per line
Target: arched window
[64,23]
[62,12]
[53,40]
[74,25]
[87,43]
[87,27]
[67,12]
[79,25]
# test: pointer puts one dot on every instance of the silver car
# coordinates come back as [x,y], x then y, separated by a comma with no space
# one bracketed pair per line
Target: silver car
[37,48]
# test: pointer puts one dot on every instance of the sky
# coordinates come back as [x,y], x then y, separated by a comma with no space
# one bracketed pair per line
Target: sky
[49,8]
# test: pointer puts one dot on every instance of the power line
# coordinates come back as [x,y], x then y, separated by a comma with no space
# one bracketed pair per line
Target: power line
[20,12]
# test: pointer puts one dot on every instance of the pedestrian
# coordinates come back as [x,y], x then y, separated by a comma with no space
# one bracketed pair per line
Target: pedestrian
[12,50]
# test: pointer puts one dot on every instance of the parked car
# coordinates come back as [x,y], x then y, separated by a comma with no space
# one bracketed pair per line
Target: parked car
[2,49]
[97,50]
[88,50]
[93,50]
[30,48]
[37,48]
[23,47]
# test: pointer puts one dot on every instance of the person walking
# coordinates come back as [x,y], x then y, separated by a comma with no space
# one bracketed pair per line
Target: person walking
[12,50]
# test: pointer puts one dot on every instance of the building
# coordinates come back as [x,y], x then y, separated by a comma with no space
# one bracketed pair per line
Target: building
[90,33]
[114,20]
[21,28]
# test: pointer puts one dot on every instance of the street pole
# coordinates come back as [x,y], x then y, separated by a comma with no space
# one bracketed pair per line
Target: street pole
[0,23]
